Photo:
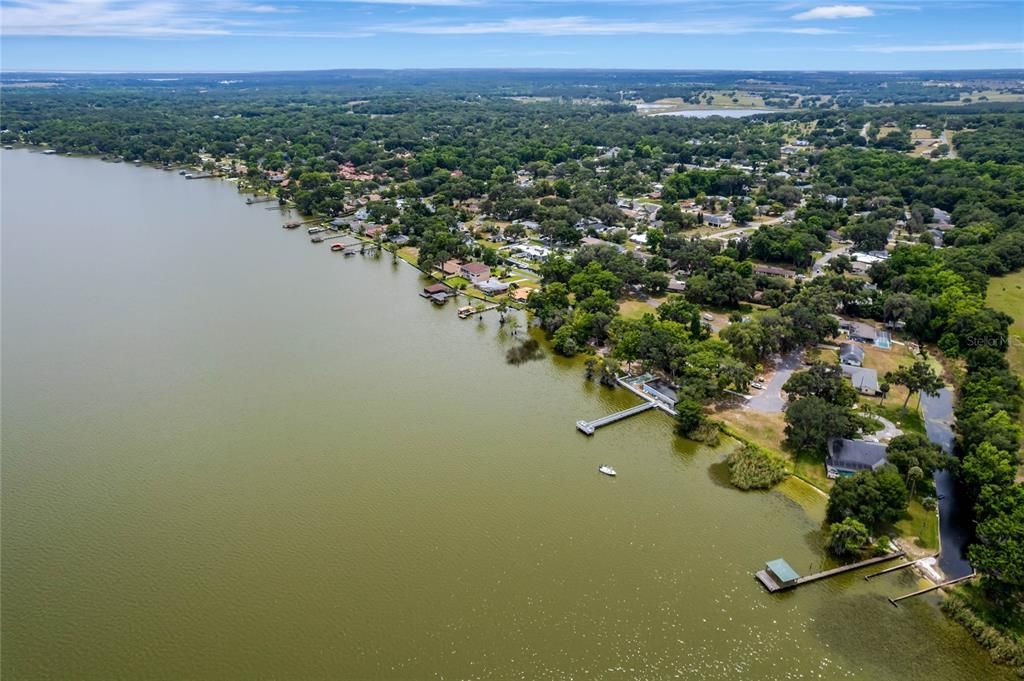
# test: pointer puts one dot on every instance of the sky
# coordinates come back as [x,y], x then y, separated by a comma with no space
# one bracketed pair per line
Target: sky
[258,35]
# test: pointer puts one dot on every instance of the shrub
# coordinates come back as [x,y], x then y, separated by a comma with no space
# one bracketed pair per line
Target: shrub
[753,468]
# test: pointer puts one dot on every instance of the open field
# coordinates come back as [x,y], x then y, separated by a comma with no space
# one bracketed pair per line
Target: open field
[1006,294]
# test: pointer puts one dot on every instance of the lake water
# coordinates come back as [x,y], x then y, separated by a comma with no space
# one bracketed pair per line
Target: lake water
[231,454]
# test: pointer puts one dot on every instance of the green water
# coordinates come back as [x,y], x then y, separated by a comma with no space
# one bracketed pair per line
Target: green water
[231,454]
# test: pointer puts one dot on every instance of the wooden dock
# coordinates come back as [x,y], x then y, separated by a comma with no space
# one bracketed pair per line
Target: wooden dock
[773,586]
[260,199]
[588,427]
[951,582]
[467,311]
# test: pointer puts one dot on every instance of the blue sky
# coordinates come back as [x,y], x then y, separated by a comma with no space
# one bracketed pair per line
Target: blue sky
[249,35]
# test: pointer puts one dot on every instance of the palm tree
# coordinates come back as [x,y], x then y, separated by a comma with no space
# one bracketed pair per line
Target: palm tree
[883,390]
[913,475]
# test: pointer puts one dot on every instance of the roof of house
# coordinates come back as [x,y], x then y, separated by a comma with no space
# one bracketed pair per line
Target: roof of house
[862,378]
[476,268]
[781,569]
[855,454]
[862,330]
[492,285]
[521,293]
[437,288]
[851,351]
[774,271]
[450,267]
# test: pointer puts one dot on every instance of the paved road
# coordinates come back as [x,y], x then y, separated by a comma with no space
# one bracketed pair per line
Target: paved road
[954,517]
[771,400]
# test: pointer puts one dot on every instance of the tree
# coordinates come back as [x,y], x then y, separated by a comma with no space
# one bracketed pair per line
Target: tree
[913,476]
[848,537]
[689,416]
[917,378]
[811,421]
[821,380]
[912,450]
[875,498]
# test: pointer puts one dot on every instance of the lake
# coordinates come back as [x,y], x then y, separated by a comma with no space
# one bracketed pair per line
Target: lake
[231,454]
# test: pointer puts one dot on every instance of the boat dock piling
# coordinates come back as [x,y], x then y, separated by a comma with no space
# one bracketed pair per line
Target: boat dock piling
[588,427]
[773,586]
[951,582]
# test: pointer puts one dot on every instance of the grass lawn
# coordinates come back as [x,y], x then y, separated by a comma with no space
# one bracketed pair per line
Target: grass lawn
[919,134]
[456,281]
[812,469]
[409,254]
[1006,294]
[920,525]
[910,422]
[884,361]
[635,309]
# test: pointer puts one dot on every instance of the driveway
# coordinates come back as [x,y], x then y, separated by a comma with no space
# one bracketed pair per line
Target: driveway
[771,400]
[820,263]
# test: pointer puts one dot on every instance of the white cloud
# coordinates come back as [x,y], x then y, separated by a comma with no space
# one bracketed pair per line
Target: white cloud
[957,47]
[556,26]
[835,12]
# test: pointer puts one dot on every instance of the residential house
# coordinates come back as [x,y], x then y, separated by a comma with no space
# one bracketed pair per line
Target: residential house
[771,271]
[492,286]
[476,272]
[723,220]
[520,295]
[863,379]
[451,267]
[851,354]
[859,331]
[849,457]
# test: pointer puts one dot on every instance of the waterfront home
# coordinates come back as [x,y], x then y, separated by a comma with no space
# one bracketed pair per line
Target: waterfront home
[451,267]
[849,457]
[520,295]
[851,354]
[865,380]
[373,230]
[476,272]
[492,286]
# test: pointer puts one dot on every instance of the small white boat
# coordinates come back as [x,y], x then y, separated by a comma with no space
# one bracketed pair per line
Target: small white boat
[607,470]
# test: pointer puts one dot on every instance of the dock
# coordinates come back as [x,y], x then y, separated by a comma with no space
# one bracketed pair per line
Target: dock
[260,199]
[588,427]
[773,586]
[467,311]
[197,176]
[951,582]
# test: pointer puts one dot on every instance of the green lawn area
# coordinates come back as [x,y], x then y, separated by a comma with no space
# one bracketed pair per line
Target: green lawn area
[1006,294]
[909,422]
[634,309]
[457,281]
[921,525]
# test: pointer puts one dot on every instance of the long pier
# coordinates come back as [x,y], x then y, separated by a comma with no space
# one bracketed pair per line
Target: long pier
[773,586]
[588,427]
[260,199]
[951,582]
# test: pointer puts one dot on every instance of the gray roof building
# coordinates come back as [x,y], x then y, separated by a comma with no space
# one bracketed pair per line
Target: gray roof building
[852,354]
[848,457]
[864,380]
